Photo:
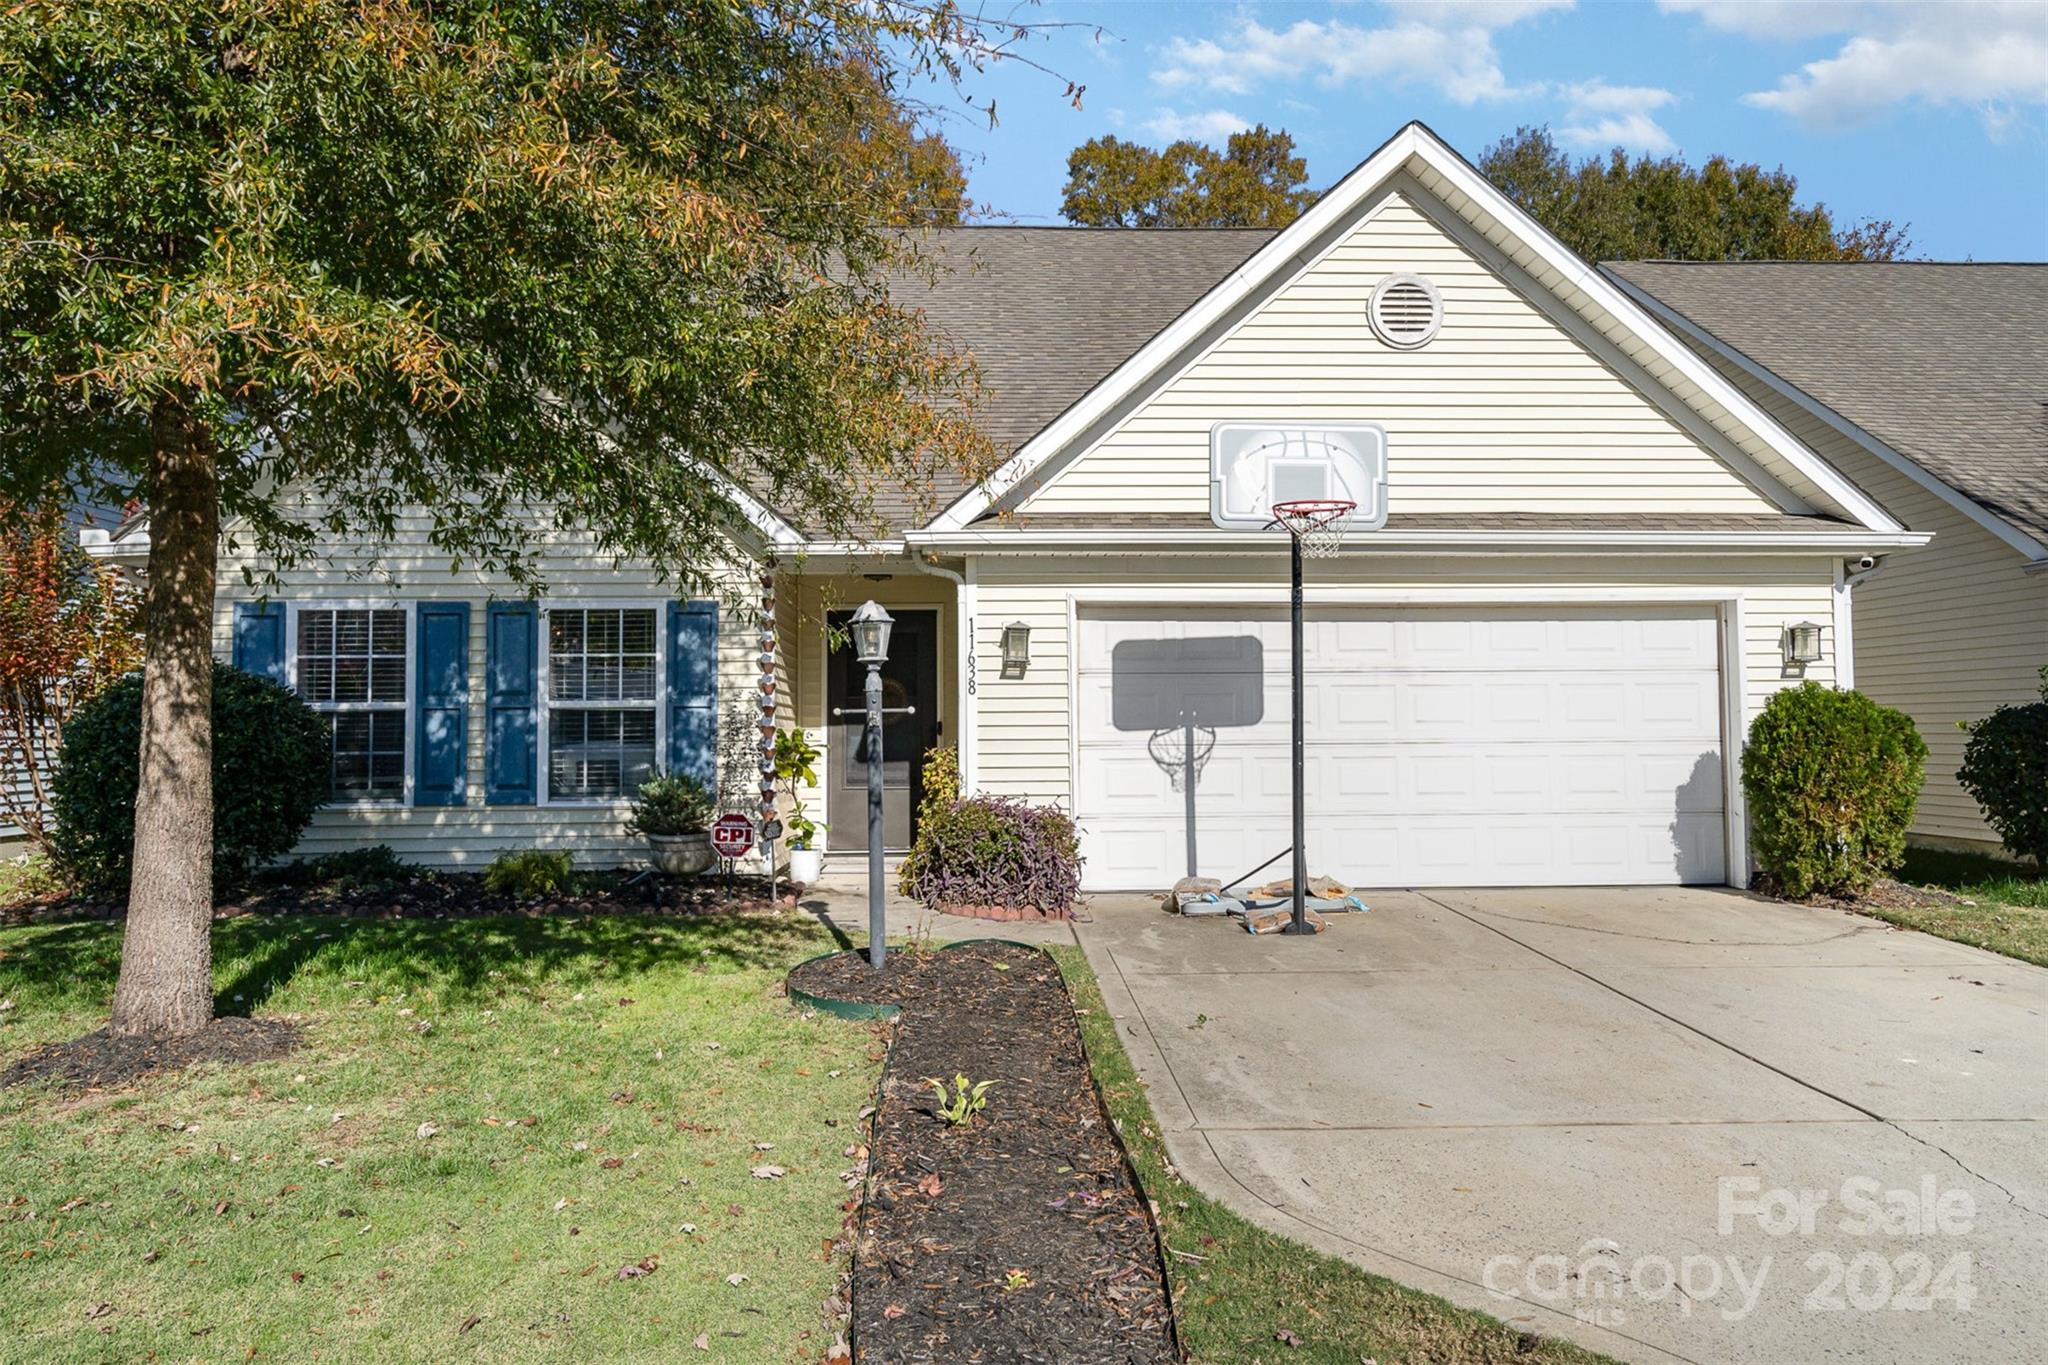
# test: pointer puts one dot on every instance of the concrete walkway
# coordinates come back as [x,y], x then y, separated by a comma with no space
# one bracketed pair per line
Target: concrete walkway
[1596,1113]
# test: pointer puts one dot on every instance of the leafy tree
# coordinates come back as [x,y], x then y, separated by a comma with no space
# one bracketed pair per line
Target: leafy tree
[67,630]
[908,175]
[1255,181]
[1618,209]
[306,266]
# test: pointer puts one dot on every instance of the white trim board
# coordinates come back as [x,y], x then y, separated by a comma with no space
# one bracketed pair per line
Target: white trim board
[1334,212]
[1998,526]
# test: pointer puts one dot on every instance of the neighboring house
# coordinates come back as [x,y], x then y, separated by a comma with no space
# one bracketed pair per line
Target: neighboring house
[1927,384]
[1539,671]
[88,520]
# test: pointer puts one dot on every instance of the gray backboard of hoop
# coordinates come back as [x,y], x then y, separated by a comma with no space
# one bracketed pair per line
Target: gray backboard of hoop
[1214,682]
[1253,465]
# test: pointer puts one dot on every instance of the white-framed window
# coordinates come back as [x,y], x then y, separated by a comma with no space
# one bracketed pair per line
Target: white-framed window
[602,719]
[352,662]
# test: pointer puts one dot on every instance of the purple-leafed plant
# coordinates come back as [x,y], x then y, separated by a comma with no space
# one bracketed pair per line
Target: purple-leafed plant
[990,850]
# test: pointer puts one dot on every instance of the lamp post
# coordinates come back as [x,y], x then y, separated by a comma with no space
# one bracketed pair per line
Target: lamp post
[870,627]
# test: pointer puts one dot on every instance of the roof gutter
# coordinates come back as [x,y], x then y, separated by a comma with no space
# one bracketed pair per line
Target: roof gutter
[1205,539]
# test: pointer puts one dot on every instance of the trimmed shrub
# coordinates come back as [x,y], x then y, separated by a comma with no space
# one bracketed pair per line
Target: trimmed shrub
[348,869]
[989,850]
[528,873]
[270,762]
[1832,779]
[2005,766]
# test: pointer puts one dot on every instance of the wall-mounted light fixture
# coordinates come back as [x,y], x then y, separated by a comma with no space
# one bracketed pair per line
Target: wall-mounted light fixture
[1016,649]
[1800,644]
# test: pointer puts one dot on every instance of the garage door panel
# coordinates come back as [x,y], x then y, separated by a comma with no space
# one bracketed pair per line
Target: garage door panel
[1475,746]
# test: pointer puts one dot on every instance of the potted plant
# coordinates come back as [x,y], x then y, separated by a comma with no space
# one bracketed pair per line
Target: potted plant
[794,757]
[674,811]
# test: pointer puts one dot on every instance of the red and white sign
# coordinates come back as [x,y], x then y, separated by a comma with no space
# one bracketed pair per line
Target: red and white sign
[732,836]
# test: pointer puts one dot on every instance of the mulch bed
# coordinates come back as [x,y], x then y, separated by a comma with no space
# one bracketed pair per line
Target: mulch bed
[101,1061]
[453,895]
[1886,894]
[1021,1237]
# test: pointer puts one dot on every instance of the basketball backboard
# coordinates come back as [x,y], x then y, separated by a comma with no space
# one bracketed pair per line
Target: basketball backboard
[1253,465]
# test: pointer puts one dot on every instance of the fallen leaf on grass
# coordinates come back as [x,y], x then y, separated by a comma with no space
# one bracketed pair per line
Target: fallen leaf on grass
[612,1163]
[703,1341]
[468,1323]
[769,1173]
[736,1279]
[639,1269]
[759,1147]
[97,1311]
[1287,1338]
[425,1131]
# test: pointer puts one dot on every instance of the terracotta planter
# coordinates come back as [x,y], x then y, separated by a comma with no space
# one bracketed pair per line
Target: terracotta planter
[681,855]
[806,865]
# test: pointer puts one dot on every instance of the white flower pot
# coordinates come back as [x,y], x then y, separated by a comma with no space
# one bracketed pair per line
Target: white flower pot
[681,855]
[806,865]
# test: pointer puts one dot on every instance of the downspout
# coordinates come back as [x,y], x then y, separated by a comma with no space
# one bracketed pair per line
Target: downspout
[964,681]
[1846,579]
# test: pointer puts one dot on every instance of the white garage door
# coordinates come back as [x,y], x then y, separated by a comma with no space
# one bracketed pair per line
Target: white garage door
[1446,747]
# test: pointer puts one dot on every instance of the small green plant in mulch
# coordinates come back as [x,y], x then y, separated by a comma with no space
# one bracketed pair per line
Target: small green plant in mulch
[962,1102]
[528,873]
[1242,1294]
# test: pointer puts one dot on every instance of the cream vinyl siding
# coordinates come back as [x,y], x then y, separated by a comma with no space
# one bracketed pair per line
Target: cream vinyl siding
[1023,726]
[1947,632]
[408,569]
[1503,411]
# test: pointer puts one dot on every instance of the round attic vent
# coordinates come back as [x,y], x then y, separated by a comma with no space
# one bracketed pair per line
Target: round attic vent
[1406,311]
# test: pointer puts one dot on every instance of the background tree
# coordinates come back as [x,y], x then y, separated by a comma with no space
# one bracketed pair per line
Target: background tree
[1613,208]
[67,630]
[307,265]
[1255,181]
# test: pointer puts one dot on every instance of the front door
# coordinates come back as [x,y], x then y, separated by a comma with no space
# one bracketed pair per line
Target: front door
[909,678]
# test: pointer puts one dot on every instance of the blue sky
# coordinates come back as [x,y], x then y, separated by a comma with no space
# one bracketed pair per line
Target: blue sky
[1933,114]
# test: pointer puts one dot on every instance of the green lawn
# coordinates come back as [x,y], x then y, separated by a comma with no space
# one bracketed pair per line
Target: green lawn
[294,1210]
[2001,907]
[1248,1285]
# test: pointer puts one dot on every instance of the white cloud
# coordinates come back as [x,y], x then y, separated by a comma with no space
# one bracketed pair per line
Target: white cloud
[1448,46]
[1214,125]
[1990,53]
[1599,116]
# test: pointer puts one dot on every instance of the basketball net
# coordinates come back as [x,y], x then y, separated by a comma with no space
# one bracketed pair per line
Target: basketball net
[1318,524]
[1170,749]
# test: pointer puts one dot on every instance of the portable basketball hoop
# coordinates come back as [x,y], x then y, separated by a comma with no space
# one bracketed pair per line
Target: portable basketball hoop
[1319,483]
[1317,524]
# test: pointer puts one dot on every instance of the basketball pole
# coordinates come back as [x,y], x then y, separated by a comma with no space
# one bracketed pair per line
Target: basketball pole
[1299,924]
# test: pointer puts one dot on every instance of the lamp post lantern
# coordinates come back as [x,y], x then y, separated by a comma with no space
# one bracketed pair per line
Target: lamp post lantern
[870,626]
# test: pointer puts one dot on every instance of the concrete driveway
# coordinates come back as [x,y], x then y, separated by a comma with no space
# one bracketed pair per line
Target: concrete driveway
[1673,1124]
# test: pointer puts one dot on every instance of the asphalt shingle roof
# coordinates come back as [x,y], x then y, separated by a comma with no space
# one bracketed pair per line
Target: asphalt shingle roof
[1947,364]
[1049,312]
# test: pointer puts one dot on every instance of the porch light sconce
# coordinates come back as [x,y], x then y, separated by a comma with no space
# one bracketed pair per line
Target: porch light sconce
[1801,644]
[870,626]
[1016,649]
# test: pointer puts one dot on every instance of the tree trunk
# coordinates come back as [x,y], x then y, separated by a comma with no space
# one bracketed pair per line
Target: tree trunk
[166,984]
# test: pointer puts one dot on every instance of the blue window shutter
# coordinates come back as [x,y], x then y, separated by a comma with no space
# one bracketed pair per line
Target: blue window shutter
[693,690]
[441,716]
[259,639]
[512,647]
